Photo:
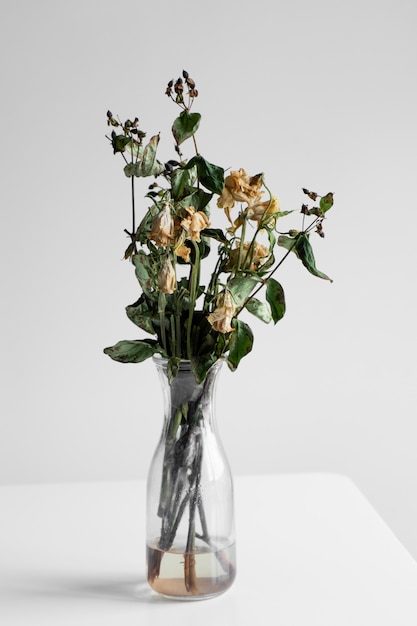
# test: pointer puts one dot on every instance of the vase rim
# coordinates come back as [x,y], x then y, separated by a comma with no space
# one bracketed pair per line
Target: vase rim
[184,364]
[158,359]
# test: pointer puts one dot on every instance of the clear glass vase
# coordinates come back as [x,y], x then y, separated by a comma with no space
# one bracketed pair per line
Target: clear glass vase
[190,509]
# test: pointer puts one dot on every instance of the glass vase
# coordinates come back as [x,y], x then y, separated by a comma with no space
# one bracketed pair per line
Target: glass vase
[190,509]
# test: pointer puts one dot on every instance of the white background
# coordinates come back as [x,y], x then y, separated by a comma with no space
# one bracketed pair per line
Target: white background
[314,94]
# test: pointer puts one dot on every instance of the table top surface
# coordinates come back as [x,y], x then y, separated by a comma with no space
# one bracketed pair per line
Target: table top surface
[311,551]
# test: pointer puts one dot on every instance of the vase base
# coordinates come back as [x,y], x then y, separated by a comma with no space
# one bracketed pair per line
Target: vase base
[202,575]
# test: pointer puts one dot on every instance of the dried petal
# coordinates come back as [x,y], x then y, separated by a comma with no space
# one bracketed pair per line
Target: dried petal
[239,187]
[221,318]
[162,227]
[253,256]
[166,277]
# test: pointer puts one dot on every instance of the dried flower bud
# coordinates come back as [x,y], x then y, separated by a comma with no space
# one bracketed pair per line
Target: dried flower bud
[305,210]
[293,232]
[185,74]
[179,86]
[166,277]
[311,194]
[319,230]
[111,121]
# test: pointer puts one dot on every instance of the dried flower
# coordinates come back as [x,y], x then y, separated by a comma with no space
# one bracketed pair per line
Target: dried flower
[162,227]
[221,317]
[260,210]
[265,212]
[183,251]
[252,256]
[166,276]
[239,187]
[174,238]
[194,223]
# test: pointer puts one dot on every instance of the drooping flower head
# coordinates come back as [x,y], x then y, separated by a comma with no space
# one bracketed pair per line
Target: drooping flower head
[193,223]
[240,187]
[221,318]
[162,231]
[252,256]
[266,212]
[166,276]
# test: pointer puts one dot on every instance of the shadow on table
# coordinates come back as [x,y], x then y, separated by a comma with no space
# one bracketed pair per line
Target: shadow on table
[61,586]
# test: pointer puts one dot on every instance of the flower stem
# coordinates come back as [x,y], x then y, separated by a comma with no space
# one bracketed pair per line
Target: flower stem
[242,243]
[194,279]
[161,311]
[133,205]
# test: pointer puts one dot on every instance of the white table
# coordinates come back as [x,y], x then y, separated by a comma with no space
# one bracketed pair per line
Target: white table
[311,552]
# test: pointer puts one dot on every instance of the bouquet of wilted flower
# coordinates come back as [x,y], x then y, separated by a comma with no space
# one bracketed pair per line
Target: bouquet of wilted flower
[189,320]
[197,323]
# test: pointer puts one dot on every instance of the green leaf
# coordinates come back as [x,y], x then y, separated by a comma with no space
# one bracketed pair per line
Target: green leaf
[119,143]
[287,242]
[215,233]
[134,351]
[143,271]
[172,369]
[135,148]
[129,251]
[241,287]
[147,164]
[210,176]
[276,299]
[141,316]
[301,246]
[259,309]
[199,199]
[241,342]
[181,181]
[326,202]
[185,126]
[305,252]
[201,365]
[272,238]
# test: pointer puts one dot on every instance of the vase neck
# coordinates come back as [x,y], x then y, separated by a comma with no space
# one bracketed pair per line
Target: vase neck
[184,397]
